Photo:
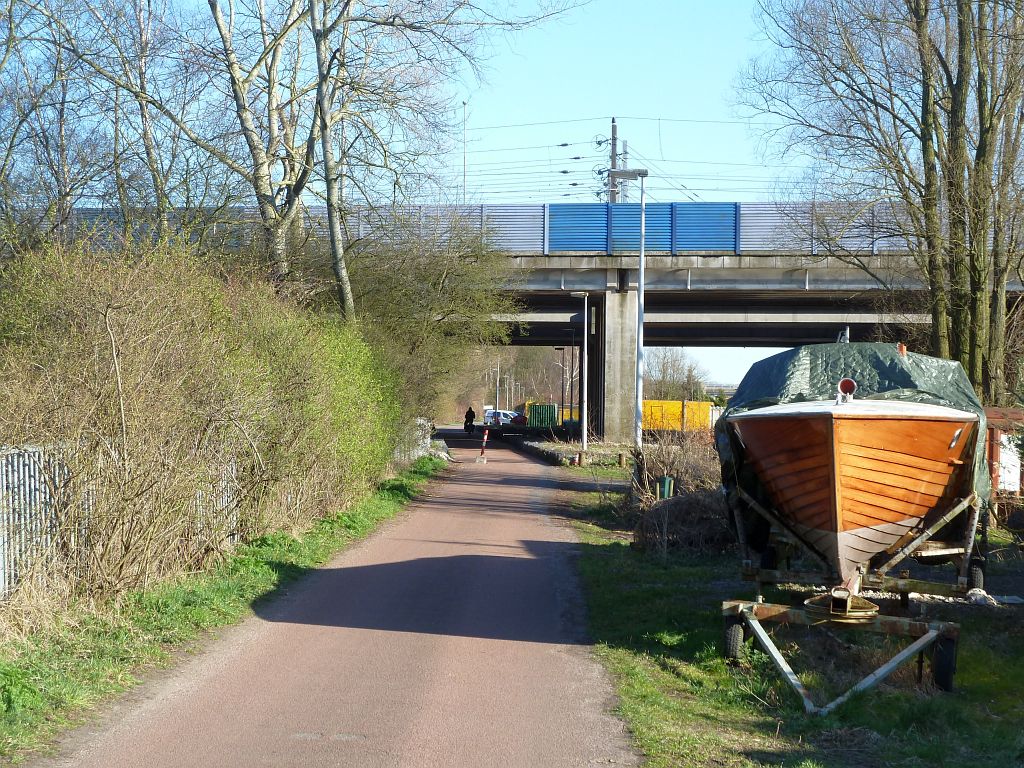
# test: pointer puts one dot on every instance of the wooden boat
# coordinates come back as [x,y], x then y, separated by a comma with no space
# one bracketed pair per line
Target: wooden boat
[851,478]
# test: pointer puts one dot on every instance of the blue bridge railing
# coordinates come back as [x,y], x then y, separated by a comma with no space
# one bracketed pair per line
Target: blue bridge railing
[614,228]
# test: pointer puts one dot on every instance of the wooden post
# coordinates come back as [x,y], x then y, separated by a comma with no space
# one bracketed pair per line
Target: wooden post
[994,436]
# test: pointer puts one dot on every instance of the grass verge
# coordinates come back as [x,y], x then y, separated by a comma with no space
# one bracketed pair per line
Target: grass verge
[657,628]
[50,679]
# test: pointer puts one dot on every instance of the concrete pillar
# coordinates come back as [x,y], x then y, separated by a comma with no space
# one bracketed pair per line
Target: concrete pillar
[619,357]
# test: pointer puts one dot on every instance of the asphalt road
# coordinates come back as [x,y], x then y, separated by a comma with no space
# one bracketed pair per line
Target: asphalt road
[453,637]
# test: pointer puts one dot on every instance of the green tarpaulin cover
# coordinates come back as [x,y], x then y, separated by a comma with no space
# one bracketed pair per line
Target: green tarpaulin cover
[813,372]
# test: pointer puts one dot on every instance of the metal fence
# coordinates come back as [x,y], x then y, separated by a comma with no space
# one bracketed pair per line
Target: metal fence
[413,443]
[28,495]
[36,494]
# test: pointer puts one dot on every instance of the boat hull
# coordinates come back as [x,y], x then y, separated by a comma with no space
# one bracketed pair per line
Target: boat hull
[852,483]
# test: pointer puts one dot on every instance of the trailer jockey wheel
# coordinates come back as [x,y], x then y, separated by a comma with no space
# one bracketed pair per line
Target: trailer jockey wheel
[944,662]
[732,647]
[976,575]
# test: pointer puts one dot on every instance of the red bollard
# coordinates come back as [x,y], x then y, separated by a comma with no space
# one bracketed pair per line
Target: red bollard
[481,459]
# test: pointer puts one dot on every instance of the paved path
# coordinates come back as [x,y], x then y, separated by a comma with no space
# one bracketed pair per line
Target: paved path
[453,637]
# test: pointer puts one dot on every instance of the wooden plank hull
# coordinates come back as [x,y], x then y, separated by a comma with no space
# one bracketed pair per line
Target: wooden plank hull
[852,482]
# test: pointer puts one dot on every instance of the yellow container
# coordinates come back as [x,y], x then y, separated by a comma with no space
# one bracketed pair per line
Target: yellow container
[677,415]
[696,415]
[664,415]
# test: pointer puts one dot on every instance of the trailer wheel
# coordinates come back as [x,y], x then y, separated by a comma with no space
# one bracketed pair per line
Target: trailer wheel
[733,638]
[976,576]
[944,662]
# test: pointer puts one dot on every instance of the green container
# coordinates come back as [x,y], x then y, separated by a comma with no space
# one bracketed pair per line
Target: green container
[543,415]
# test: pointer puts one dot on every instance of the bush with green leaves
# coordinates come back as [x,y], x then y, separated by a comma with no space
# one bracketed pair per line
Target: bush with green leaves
[180,409]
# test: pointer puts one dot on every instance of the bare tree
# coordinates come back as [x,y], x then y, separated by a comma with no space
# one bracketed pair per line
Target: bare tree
[913,105]
[431,295]
[356,82]
[673,375]
[22,93]
[381,102]
[68,149]
[251,61]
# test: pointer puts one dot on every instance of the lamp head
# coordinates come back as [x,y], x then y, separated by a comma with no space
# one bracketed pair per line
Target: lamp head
[627,174]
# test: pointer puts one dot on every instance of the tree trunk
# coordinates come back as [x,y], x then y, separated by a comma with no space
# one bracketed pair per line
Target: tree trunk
[120,182]
[336,236]
[275,234]
[1006,207]
[261,179]
[980,208]
[995,390]
[935,257]
[955,177]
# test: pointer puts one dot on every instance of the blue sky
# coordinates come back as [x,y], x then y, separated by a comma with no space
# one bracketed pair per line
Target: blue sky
[667,70]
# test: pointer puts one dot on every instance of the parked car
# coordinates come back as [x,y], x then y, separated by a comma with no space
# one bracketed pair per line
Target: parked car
[494,418]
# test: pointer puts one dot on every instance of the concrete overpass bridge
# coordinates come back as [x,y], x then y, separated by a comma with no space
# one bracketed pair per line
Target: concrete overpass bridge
[717,274]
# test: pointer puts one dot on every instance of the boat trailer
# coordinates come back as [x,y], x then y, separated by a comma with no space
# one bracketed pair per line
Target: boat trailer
[841,609]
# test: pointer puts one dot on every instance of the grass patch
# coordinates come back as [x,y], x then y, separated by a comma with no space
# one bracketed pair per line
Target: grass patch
[49,679]
[657,628]
[603,472]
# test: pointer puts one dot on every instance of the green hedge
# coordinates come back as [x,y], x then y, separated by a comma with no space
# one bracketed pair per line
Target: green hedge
[160,382]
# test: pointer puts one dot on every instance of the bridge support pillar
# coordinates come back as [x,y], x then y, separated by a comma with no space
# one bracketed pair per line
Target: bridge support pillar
[619,356]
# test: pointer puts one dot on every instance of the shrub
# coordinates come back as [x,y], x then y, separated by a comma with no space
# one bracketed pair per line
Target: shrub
[696,517]
[178,410]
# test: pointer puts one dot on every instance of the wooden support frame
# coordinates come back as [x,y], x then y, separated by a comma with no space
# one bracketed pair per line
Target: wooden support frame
[925,634]
[907,549]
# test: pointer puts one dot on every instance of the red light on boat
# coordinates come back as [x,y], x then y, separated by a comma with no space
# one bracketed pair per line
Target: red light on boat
[847,386]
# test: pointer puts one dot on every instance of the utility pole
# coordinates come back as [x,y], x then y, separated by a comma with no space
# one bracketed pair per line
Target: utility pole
[561,406]
[463,153]
[572,375]
[625,164]
[613,184]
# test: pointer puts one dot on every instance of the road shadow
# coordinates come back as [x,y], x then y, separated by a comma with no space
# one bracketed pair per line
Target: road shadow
[582,485]
[529,598]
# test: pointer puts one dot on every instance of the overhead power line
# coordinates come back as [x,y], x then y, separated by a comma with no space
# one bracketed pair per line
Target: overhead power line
[537,162]
[694,120]
[530,125]
[535,146]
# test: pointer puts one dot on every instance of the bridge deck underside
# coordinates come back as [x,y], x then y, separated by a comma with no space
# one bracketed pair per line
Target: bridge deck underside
[726,319]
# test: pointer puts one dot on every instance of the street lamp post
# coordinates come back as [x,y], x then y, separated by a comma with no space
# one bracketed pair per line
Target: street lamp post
[572,374]
[583,366]
[463,153]
[561,405]
[638,411]
[497,385]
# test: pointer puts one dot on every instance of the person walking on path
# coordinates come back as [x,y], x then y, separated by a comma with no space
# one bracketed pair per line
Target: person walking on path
[470,418]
